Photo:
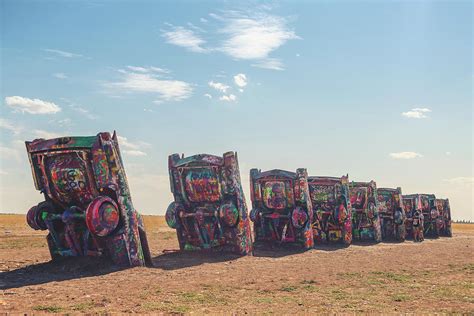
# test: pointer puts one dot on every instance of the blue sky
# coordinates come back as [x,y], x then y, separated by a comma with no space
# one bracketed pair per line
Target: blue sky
[379,90]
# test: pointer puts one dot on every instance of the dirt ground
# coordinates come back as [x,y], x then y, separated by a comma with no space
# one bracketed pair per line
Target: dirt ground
[433,276]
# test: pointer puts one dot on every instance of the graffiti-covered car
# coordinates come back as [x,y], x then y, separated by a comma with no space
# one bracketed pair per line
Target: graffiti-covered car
[445,217]
[365,215]
[432,218]
[281,207]
[88,209]
[414,216]
[332,214]
[209,209]
[392,216]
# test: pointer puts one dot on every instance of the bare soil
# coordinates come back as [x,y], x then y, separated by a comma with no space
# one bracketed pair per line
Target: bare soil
[433,276]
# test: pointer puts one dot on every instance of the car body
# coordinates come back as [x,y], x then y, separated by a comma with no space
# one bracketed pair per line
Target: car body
[332,214]
[88,209]
[209,209]
[281,207]
[365,215]
[414,216]
[391,213]
[445,217]
[432,218]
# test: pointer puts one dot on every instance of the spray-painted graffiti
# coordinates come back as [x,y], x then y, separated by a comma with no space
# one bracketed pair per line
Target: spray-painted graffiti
[87,208]
[444,217]
[414,217]
[332,216]
[391,213]
[209,209]
[365,215]
[281,207]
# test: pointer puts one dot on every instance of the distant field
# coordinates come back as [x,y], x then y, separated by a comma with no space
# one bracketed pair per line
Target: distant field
[433,276]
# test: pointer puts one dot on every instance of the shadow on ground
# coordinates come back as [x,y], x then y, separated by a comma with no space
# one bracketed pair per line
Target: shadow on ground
[61,270]
[185,259]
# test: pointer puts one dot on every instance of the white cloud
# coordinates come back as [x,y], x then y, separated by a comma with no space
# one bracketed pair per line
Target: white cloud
[39,133]
[8,125]
[7,152]
[203,20]
[147,69]
[184,37]
[240,80]
[60,75]
[405,155]
[207,95]
[241,90]
[62,53]
[228,98]
[135,153]
[253,36]
[417,113]
[32,106]
[460,180]
[133,148]
[139,82]
[270,63]
[218,86]
[448,153]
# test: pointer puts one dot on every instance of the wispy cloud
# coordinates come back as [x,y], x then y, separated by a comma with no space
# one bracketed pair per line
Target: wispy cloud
[150,82]
[460,180]
[207,95]
[218,86]
[417,113]
[32,106]
[62,53]
[240,80]
[60,75]
[270,63]
[133,148]
[184,37]
[405,155]
[228,98]
[149,69]
[242,35]
[39,133]
[10,126]
[253,36]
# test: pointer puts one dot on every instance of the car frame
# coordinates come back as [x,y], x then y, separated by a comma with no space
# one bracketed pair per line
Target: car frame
[392,216]
[281,207]
[88,209]
[413,211]
[432,218]
[365,217]
[209,211]
[332,212]
[444,209]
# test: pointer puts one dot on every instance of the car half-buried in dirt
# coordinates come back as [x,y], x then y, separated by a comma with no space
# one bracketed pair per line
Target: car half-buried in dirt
[432,218]
[281,207]
[365,215]
[209,209]
[414,216]
[87,210]
[391,213]
[332,216]
[445,217]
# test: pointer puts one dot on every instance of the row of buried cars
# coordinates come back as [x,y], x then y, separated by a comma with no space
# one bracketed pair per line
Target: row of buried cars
[88,209]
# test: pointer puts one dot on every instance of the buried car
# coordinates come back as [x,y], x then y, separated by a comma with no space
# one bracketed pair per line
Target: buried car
[281,207]
[414,216]
[209,209]
[88,209]
[445,217]
[332,216]
[432,218]
[365,216]
[391,213]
